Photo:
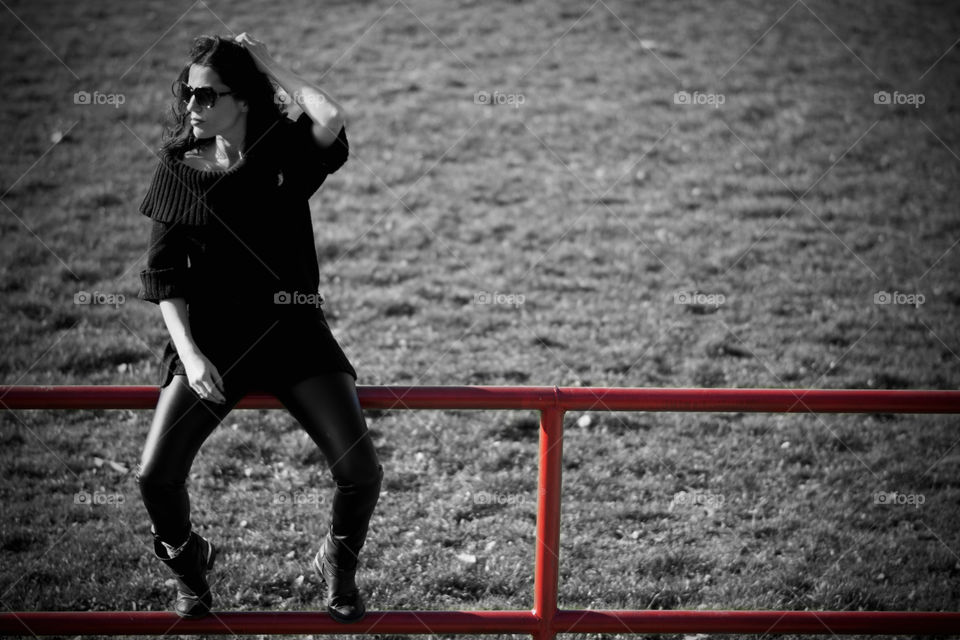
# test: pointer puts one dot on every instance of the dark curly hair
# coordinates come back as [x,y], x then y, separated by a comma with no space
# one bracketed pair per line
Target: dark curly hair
[238,70]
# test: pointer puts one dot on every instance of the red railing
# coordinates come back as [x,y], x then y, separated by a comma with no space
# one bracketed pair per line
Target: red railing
[545,619]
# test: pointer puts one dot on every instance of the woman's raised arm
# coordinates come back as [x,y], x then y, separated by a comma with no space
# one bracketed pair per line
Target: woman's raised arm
[327,114]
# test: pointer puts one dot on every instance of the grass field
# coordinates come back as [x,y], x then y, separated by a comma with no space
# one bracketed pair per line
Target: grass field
[625,237]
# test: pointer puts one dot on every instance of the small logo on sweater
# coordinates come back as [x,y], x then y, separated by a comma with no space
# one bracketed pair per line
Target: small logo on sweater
[279,178]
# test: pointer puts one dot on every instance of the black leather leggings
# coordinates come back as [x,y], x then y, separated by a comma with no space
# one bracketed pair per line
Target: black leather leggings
[325,405]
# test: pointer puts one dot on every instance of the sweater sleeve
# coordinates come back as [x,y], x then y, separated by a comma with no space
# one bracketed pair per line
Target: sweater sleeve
[308,163]
[167,270]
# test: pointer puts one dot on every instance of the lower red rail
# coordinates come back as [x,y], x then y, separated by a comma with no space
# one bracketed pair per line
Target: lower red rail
[42,623]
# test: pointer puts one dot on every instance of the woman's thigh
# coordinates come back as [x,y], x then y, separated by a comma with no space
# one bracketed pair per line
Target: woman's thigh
[327,407]
[181,423]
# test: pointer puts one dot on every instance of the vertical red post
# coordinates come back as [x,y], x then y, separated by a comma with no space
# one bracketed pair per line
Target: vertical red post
[546,572]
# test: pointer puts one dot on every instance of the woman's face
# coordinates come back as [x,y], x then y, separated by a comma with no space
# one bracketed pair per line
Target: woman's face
[226,116]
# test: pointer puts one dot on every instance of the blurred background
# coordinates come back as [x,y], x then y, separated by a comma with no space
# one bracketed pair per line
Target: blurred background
[608,193]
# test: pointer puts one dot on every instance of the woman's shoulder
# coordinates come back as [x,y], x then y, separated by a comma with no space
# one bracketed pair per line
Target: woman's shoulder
[174,195]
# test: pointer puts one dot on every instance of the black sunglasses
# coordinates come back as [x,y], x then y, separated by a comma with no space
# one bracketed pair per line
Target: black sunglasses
[206,96]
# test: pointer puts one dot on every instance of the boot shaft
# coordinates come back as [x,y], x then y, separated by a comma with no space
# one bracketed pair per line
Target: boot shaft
[191,565]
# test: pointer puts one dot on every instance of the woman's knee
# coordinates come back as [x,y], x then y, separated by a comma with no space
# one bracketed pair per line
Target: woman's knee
[158,478]
[159,489]
[160,469]
[361,469]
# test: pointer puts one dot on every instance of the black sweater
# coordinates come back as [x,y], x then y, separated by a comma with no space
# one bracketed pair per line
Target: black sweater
[263,201]
[234,243]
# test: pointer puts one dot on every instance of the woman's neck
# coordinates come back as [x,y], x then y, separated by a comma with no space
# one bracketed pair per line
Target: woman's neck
[218,150]
[229,144]
[227,151]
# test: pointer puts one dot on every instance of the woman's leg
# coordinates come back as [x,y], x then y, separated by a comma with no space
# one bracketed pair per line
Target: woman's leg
[329,410]
[181,423]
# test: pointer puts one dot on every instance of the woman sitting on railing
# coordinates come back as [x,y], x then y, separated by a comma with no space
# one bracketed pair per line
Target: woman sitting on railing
[233,267]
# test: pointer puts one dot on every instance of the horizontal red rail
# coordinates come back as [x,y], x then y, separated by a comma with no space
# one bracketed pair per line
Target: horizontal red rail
[565,398]
[263,622]
[482,622]
[762,622]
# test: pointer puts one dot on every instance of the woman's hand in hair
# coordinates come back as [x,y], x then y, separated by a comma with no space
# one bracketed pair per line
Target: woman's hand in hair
[325,112]
[258,50]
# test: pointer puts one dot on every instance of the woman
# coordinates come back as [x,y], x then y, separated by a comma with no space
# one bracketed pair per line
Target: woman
[233,268]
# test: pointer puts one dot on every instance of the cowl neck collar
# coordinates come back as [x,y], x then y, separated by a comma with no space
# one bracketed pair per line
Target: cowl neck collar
[181,193]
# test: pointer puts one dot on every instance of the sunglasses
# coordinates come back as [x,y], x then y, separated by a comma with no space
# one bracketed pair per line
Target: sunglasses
[206,96]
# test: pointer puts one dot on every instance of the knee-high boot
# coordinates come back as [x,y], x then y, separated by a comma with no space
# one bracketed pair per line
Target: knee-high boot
[336,562]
